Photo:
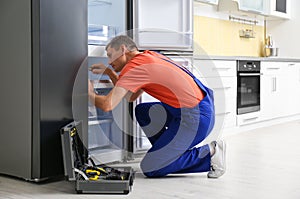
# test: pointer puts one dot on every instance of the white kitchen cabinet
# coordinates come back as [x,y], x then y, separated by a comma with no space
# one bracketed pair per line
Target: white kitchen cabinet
[273,90]
[214,68]
[215,2]
[256,6]
[292,83]
[220,76]
[279,8]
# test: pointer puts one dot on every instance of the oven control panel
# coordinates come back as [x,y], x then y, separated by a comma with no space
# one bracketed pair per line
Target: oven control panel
[248,66]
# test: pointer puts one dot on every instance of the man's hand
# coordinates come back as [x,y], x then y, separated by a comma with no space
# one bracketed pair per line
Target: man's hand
[100,68]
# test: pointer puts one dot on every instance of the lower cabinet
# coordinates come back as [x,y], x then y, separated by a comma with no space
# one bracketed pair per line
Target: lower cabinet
[279,92]
[272,90]
[291,98]
[220,76]
[280,89]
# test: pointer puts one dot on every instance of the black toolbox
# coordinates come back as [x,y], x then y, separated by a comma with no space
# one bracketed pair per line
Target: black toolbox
[91,178]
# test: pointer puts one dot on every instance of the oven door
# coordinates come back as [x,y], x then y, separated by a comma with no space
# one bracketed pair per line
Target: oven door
[248,92]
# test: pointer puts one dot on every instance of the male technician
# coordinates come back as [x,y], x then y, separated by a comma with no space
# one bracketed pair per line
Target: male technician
[182,119]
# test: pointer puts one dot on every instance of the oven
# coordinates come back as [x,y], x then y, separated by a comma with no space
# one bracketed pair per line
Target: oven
[248,86]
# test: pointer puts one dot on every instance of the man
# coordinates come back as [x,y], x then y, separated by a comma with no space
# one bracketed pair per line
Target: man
[182,119]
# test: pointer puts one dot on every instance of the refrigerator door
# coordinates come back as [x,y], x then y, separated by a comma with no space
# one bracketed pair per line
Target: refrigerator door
[59,49]
[15,83]
[163,25]
[43,44]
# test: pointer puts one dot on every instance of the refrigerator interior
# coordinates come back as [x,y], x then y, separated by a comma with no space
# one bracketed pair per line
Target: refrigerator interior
[106,19]
[107,131]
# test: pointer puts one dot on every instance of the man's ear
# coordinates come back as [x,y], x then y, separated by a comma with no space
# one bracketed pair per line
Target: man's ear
[123,48]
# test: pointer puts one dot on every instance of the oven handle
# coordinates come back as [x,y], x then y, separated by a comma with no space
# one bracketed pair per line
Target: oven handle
[250,74]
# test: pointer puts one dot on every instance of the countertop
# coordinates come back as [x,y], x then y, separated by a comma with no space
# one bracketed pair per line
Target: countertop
[234,58]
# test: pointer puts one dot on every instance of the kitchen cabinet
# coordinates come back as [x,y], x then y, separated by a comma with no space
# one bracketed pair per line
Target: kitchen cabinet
[279,8]
[273,90]
[220,76]
[271,9]
[215,2]
[280,87]
[292,93]
[257,6]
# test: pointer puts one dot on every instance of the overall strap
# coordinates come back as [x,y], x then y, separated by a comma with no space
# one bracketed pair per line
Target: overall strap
[179,66]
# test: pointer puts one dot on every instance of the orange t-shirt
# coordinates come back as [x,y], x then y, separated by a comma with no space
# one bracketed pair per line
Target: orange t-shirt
[160,79]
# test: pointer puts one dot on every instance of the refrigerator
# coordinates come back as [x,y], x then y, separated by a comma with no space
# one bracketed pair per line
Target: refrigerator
[165,26]
[116,136]
[43,46]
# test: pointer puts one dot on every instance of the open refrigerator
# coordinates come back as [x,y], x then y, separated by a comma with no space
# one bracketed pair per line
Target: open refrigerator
[169,31]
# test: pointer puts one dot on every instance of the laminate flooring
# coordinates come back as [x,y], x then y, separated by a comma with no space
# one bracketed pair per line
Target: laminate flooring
[261,164]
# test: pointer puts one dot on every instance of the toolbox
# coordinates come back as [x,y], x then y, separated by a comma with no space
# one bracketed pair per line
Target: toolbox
[88,177]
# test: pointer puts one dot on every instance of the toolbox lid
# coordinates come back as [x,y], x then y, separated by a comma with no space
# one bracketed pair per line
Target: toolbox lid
[75,154]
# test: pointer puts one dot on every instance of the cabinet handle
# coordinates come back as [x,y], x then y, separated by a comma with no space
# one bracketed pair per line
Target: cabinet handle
[292,64]
[250,74]
[250,119]
[226,113]
[274,86]
[221,68]
[222,88]
[273,68]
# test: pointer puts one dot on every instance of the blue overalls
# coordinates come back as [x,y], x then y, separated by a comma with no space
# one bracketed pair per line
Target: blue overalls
[173,147]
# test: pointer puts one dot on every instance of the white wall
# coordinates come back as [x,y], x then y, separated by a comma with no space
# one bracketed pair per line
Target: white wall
[286,33]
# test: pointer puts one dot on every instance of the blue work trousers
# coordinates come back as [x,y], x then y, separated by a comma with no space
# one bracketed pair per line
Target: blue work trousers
[174,133]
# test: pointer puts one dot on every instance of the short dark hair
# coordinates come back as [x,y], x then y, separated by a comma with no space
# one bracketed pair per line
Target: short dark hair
[117,41]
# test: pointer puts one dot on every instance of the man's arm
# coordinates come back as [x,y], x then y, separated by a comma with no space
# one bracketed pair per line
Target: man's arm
[107,102]
[133,96]
[100,68]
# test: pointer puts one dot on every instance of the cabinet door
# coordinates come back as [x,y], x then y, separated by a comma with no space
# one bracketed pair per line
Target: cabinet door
[292,94]
[272,91]
[224,89]
[257,6]
[280,8]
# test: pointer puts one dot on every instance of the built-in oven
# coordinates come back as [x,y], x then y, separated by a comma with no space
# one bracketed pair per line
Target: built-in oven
[248,86]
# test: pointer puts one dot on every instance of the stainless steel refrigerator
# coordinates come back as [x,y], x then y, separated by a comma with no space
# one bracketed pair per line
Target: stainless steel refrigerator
[43,45]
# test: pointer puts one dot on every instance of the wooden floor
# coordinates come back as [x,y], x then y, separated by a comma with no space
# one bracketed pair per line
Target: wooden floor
[263,163]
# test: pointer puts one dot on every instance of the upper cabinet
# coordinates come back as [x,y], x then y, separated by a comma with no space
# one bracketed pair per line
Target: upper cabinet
[257,6]
[266,8]
[279,8]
